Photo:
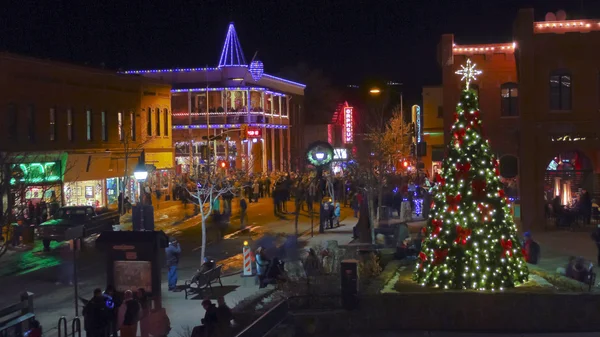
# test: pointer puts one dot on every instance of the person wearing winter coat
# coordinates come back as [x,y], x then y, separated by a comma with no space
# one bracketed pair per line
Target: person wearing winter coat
[173,252]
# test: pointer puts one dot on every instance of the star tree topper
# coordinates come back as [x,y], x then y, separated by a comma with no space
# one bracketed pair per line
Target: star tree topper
[468,72]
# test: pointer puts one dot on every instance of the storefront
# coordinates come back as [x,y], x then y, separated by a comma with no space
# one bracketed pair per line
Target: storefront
[115,185]
[85,193]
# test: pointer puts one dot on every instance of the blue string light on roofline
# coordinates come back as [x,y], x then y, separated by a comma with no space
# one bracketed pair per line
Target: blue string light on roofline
[229,126]
[267,91]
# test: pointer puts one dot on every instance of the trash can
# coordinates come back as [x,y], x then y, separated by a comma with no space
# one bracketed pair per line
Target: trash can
[28,234]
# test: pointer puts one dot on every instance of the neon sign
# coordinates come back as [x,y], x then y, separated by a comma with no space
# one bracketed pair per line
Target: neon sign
[416,115]
[32,173]
[348,125]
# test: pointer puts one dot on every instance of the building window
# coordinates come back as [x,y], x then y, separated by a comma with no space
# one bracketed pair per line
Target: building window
[13,118]
[70,124]
[149,122]
[52,123]
[560,91]
[509,94]
[120,125]
[440,112]
[89,124]
[31,122]
[157,121]
[166,122]
[104,127]
[132,125]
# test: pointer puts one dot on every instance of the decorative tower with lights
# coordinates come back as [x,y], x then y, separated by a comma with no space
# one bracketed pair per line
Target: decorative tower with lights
[470,239]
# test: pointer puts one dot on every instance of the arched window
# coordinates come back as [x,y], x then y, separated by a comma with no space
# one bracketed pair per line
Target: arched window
[509,95]
[560,90]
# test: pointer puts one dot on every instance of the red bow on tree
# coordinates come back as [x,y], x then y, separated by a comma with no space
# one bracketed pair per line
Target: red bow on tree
[462,234]
[453,202]
[501,193]
[478,186]
[507,246]
[439,256]
[423,256]
[496,171]
[459,135]
[472,118]
[462,170]
[437,226]
[439,179]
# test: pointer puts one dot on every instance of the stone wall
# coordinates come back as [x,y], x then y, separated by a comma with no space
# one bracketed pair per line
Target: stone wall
[465,311]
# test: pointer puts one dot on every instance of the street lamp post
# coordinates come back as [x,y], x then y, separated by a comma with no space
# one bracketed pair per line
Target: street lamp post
[140,174]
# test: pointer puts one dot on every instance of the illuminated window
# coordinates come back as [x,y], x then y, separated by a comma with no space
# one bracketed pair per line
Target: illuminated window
[149,122]
[31,122]
[166,122]
[157,126]
[120,125]
[132,125]
[13,119]
[560,91]
[509,94]
[52,123]
[89,124]
[104,127]
[70,129]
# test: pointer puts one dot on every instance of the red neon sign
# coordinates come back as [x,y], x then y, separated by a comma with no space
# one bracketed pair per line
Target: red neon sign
[254,133]
[348,125]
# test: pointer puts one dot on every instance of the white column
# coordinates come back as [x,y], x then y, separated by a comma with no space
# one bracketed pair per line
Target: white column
[273,150]
[281,149]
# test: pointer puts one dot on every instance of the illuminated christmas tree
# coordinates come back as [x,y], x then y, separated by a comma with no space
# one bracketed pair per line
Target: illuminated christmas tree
[470,241]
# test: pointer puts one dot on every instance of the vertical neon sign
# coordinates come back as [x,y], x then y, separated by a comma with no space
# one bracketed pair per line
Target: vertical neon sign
[348,126]
[416,116]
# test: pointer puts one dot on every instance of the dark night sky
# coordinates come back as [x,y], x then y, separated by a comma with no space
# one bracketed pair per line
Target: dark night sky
[351,40]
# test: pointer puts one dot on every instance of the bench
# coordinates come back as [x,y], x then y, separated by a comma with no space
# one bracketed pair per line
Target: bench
[203,280]
[590,278]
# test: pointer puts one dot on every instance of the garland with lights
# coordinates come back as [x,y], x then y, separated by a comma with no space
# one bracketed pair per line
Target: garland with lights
[470,241]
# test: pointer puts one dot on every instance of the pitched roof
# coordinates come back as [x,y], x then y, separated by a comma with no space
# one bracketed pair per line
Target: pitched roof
[232,53]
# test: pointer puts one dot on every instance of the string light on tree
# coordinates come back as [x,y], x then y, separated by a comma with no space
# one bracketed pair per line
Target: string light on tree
[470,241]
[468,73]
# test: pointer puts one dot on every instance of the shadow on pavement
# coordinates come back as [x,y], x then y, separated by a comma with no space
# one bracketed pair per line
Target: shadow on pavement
[216,292]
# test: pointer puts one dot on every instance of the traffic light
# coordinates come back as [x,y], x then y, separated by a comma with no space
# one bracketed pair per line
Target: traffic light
[204,151]
[223,164]
[244,132]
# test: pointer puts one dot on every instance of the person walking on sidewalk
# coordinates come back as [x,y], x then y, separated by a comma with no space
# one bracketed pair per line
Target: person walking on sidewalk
[96,316]
[243,215]
[173,252]
[129,315]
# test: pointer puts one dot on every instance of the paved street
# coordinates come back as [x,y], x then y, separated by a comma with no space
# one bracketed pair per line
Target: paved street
[38,272]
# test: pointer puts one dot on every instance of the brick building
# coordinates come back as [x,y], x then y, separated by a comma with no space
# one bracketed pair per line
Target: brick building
[74,133]
[539,96]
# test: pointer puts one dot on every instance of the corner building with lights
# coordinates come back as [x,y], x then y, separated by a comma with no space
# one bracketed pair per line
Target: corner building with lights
[234,116]
[539,98]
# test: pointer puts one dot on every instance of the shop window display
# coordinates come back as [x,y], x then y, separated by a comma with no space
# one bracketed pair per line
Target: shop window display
[85,193]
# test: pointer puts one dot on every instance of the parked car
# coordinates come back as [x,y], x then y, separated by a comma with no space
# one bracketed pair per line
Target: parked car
[67,217]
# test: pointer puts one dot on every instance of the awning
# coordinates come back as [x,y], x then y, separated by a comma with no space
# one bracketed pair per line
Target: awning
[84,167]
[116,169]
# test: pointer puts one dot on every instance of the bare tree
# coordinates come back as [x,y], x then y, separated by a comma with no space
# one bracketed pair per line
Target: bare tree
[207,188]
[390,142]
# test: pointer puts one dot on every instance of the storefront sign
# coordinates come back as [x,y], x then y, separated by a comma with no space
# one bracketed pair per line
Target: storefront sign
[348,125]
[340,154]
[254,133]
[416,117]
[35,173]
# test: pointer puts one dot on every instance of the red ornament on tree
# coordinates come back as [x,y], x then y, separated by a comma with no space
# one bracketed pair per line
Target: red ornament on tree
[453,202]
[462,234]
[501,193]
[478,186]
[423,256]
[507,246]
[472,118]
[459,135]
